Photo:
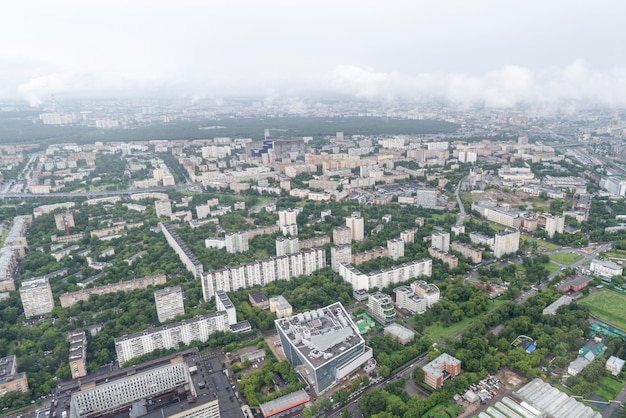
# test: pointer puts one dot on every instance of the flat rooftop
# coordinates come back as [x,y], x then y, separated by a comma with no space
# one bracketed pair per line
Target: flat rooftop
[321,335]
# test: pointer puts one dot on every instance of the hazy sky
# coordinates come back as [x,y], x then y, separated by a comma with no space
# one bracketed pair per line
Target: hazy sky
[498,52]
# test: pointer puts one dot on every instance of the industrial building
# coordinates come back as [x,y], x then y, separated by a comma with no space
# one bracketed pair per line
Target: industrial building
[170,386]
[539,399]
[323,345]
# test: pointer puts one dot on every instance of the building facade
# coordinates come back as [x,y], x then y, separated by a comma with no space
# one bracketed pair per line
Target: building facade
[78,354]
[323,345]
[357,226]
[236,242]
[506,242]
[199,328]
[36,296]
[262,272]
[443,367]
[380,306]
[169,303]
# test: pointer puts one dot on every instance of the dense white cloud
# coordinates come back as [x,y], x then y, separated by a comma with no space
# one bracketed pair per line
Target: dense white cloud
[486,51]
[501,88]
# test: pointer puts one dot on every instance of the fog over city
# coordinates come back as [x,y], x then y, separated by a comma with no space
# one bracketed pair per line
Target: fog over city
[499,54]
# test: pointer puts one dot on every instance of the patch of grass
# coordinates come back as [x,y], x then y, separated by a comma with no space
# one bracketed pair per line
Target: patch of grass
[551,267]
[608,306]
[437,331]
[608,387]
[565,258]
[541,243]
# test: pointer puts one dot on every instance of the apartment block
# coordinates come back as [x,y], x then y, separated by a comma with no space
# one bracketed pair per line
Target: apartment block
[357,226]
[78,354]
[407,299]
[169,336]
[10,379]
[262,272]
[187,257]
[342,235]
[506,242]
[64,221]
[386,277]
[443,367]
[36,296]
[69,299]
[467,251]
[380,306]
[223,303]
[441,241]
[287,245]
[236,242]
[340,254]
[163,208]
[451,260]
[169,303]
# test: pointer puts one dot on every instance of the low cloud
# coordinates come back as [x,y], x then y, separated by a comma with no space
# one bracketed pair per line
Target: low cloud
[502,88]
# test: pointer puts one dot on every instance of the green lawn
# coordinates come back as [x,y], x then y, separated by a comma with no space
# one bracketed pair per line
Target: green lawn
[541,243]
[437,331]
[565,258]
[551,267]
[608,387]
[608,306]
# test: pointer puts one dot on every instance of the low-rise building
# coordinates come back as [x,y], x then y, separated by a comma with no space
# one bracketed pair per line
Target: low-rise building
[605,268]
[10,379]
[78,352]
[258,300]
[280,306]
[443,367]
[400,333]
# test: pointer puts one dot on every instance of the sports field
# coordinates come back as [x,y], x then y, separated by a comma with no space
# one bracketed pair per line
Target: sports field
[608,306]
[565,259]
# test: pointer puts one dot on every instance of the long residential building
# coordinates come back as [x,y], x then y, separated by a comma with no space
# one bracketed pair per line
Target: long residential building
[199,328]
[188,258]
[8,265]
[386,277]
[263,272]
[69,299]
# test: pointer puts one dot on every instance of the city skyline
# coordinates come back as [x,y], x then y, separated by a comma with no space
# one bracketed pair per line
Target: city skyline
[497,55]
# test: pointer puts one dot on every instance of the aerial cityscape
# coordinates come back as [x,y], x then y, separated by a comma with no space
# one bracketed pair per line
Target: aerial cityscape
[315,210]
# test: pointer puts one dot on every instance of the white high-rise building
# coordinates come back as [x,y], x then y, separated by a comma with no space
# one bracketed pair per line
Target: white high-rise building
[441,241]
[380,307]
[287,217]
[506,242]
[287,245]
[36,296]
[223,303]
[357,226]
[340,254]
[237,242]
[395,248]
[169,303]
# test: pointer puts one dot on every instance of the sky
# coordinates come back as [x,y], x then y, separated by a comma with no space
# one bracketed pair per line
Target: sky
[491,52]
